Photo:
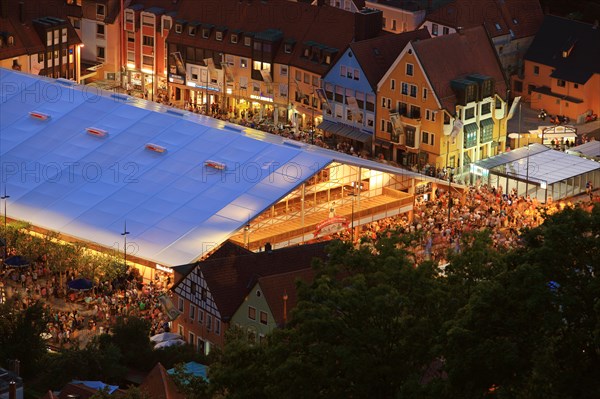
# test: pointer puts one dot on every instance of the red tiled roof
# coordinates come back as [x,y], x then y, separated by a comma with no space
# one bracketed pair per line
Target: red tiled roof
[158,384]
[27,39]
[167,5]
[376,55]
[275,286]
[522,17]
[326,25]
[446,58]
[229,279]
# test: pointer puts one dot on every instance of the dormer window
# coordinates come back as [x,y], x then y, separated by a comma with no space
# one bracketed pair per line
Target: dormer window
[129,16]
[166,24]
[178,28]
[498,27]
[306,52]
[100,10]
[287,48]
[328,59]
[234,38]
[247,41]
[219,36]
[205,33]
[192,31]
[515,21]
[11,40]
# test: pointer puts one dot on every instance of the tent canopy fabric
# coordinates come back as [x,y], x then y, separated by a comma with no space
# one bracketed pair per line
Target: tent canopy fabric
[80,284]
[16,261]
[194,368]
[83,162]
[97,385]
[166,336]
[539,163]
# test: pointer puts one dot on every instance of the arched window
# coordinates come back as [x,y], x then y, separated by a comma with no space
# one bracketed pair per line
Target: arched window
[11,40]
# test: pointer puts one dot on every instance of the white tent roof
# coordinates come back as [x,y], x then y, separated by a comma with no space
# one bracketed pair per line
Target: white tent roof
[589,149]
[61,178]
[539,164]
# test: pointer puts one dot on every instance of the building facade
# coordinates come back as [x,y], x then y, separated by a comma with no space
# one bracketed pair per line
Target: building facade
[562,69]
[435,110]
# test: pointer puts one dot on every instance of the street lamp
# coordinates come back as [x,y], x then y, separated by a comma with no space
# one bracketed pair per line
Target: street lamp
[5,198]
[124,234]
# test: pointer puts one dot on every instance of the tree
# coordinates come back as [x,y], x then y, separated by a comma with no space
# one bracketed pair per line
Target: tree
[131,336]
[191,386]
[366,327]
[20,336]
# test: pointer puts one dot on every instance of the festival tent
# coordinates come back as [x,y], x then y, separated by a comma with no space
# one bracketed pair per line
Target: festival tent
[166,336]
[171,342]
[194,368]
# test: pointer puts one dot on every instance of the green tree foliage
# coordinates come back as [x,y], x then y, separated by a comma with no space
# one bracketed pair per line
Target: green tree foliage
[518,324]
[20,336]
[190,386]
[131,336]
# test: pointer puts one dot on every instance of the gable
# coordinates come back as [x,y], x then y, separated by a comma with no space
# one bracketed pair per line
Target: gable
[194,289]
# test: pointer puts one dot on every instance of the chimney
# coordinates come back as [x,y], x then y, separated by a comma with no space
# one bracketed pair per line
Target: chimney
[22,12]
[12,390]
[268,248]
[367,24]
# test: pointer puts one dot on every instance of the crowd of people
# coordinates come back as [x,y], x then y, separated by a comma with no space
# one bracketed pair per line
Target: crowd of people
[76,316]
[438,226]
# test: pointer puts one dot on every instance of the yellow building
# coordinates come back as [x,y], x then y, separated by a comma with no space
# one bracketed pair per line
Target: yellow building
[442,103]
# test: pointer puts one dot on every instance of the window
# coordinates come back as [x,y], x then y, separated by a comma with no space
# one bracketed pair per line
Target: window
[487,130]
[192,338]
[219,36]
[192,31]
[425,137]
[434,29]
[209,322]
[263,317]
[410,136]
[200,316]
[76,22]
[180,304]
[100,52]
[64,35]
[40,57]
[349,73]
[243,62]
[251,313]
[56,36]
[100,30]
[247,41]
[392,84]
[100,10]
[445,30]
[343,71]
[283,90]
[217,326]
[356,74]
[498,26]
[287,48]
[431,139]
[194,73]
[575,85]
[192,312]
[306,78]
[148,20]
[147,60]
[205,33]
[315,81]
[404,88]
[425,92]
[49,38]
[178,28]
[234,38]
[283,70]
[486,108]
[413,91]
[180,330]
[166,24]
[148,41]
[129,16]
[131,56]
[415,112]
[470,113]
[409,69]
[393,24]
[328,59]
[560,83]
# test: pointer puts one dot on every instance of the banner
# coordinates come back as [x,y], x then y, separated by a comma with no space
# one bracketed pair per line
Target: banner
[266,75]
[228,74]
[323,98]
[458,125]
[210,63]
[301,95]
[513,107]
[168,307]
[331,226]
[353,105]
[178,61]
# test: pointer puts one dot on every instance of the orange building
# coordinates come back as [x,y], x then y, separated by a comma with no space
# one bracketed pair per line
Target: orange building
[430,89]
[562,69]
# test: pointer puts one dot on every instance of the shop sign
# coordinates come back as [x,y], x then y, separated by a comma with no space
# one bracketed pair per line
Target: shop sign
[261,98]
[176,79]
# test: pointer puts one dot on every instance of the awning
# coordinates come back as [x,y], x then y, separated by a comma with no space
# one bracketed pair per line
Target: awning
[343,130]
[471,128]
[486,122]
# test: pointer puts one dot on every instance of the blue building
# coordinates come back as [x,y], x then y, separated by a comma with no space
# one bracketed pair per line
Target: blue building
[350,87]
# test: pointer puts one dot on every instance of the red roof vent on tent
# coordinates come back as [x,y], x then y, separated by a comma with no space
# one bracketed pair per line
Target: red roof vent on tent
[94,131]
[39,115]
[156,148]
[215,165]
